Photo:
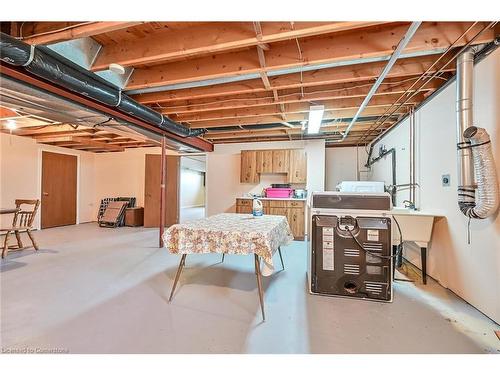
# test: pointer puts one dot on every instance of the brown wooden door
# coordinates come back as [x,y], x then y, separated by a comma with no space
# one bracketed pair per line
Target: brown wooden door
[152,191]
[59,179]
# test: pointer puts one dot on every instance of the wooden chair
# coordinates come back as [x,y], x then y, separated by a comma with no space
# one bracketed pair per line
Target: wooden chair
[22,222]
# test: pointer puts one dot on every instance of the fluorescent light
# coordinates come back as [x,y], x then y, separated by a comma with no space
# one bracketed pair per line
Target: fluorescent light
[11,124]
[315,117]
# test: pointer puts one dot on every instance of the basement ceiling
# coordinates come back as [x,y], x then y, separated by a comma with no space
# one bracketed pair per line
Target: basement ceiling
[55,121]
[254,81]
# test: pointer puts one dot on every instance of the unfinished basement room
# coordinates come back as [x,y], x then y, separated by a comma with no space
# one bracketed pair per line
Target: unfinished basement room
[250,184]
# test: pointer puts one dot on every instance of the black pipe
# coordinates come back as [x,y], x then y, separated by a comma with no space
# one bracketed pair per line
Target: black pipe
[370,162]
[49,65]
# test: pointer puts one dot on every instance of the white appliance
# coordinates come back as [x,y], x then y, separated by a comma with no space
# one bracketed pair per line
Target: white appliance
[361,187]
[349,245]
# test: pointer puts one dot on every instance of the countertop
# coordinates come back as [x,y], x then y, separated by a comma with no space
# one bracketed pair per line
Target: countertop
[397,211]
[275,199]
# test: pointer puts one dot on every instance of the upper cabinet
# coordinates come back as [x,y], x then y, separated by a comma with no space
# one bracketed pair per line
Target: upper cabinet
[248,172]
[280,161]
[291,162]
[298,167]
[265,161]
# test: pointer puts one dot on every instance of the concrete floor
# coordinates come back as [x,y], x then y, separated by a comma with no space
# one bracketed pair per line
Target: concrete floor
[191,213]
[98,290]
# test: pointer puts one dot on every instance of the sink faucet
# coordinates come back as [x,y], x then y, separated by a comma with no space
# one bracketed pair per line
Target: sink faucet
[409,204]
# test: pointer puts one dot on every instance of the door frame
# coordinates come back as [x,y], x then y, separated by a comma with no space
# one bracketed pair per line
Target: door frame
[39,187]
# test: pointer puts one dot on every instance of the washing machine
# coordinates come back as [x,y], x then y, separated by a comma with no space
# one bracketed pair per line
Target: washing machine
[349,245]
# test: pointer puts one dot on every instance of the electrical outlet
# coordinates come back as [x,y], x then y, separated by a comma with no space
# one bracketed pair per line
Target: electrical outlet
[445,180]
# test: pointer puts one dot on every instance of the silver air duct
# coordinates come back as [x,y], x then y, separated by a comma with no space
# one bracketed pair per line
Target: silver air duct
[475,157]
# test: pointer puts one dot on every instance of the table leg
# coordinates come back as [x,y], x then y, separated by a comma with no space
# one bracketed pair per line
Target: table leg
[281,258]
[259,285]
[177,275]
[423,257]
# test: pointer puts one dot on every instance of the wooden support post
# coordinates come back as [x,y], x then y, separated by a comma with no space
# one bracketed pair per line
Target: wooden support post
[162,188]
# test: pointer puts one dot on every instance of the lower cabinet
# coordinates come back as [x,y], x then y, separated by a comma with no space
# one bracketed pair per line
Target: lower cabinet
[294,210]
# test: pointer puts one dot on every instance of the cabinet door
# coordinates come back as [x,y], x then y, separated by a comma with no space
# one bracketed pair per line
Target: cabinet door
[265,161]
[298,167]
[243,209]
[282,211]
[248,171]
[296,219]
[280,161]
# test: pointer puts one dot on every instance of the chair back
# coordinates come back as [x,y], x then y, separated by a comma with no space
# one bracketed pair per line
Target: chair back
[25,216]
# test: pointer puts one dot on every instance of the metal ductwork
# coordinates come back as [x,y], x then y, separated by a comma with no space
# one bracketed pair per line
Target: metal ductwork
[476,165]
[48,65]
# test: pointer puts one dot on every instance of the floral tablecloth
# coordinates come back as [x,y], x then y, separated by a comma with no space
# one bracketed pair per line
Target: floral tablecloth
[231,234]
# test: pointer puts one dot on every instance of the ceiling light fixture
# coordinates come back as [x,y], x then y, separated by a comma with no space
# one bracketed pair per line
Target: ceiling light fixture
[11,124]
[315,117]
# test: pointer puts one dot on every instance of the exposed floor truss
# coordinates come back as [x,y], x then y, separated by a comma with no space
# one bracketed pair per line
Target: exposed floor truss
[252,81]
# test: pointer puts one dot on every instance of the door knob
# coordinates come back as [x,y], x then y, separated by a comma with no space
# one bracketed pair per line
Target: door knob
[45,193]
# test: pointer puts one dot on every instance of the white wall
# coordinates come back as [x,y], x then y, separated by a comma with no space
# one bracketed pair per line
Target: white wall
[192,188]
[122,174]
[20,175]
[340,165]
[472,271]
[223,172]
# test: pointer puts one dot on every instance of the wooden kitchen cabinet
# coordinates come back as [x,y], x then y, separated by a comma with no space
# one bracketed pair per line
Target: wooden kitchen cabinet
[282,211]
[280,161]
[297,173]
[256,162]
[243,206]
[296,220]
[248,171]
[292,209]
[265,161]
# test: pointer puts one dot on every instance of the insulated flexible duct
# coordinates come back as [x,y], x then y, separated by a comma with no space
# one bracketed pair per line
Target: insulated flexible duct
[46,64]
[485,173]
[476,166]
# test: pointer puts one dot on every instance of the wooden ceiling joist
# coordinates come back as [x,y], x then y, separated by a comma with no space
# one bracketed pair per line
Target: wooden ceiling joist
[294,117]
[81,143]
[85,29]
[210,38]
[347,46]
[332,106]
[404,68]
[317,95]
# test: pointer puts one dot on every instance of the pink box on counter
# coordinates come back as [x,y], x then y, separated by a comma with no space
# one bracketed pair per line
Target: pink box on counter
[279,192]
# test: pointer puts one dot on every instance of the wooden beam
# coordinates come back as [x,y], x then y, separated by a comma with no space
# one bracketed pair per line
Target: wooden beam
[351,139]
[318,94]
[209,38]
[344,74]
[81,31]
[341,47]
[83,142]
[280,131]
[292,108]
[296,117]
